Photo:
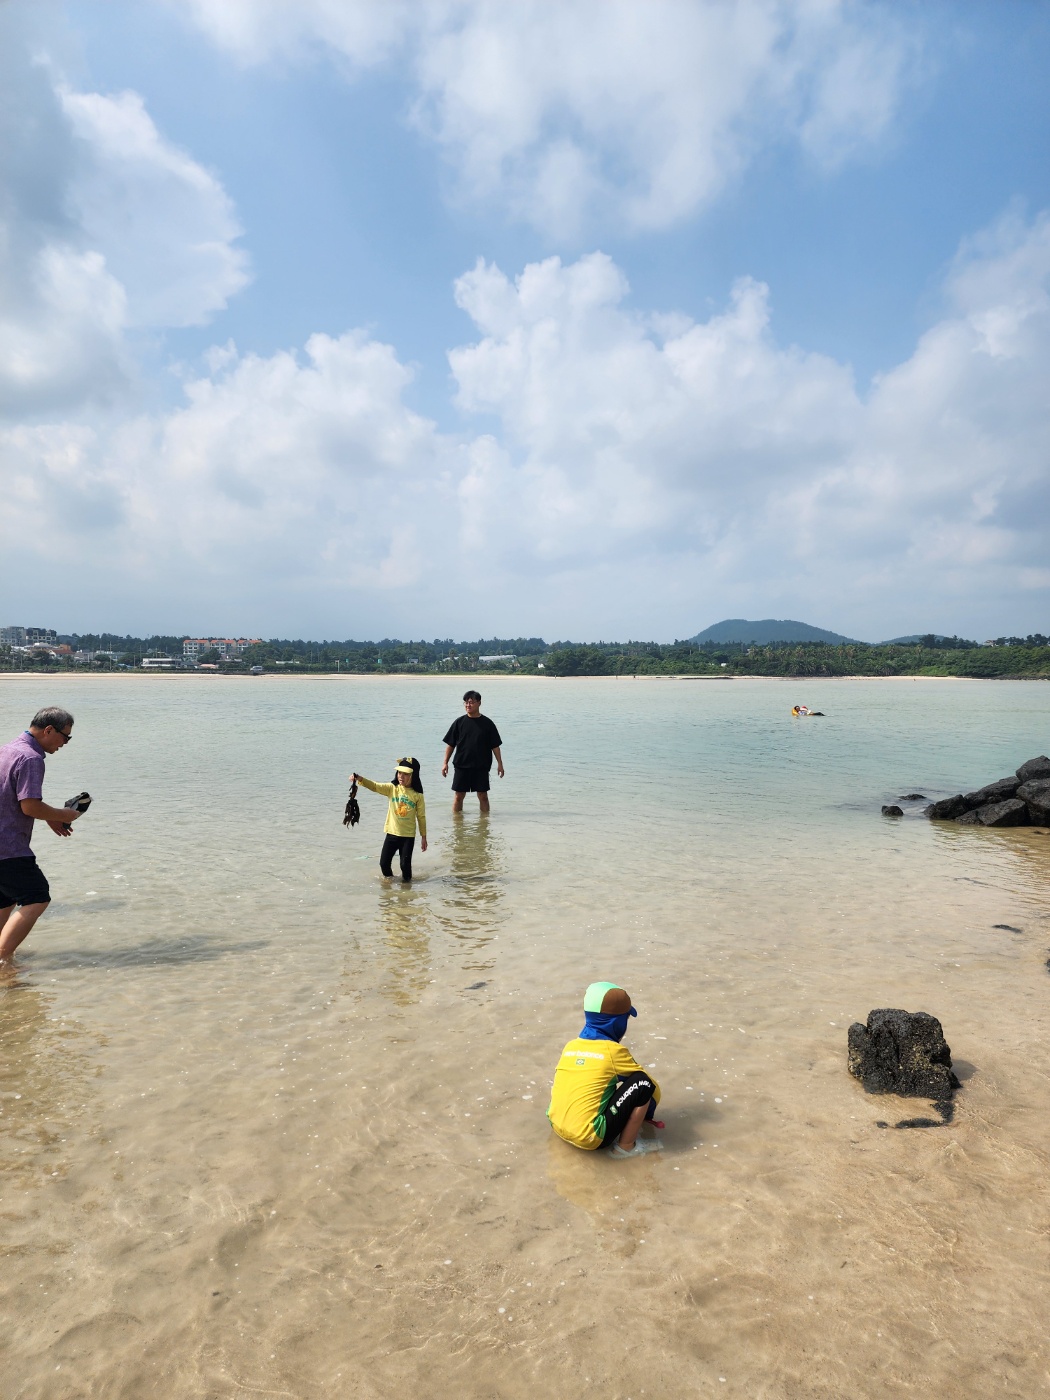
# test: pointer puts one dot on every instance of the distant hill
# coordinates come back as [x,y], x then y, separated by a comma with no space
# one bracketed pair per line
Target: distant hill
[917,637]
[769,629]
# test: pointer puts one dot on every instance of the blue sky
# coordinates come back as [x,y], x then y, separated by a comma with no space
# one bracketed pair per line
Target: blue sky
[760,324]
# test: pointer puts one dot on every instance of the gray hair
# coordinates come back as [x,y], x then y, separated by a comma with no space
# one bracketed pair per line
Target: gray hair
[53,716]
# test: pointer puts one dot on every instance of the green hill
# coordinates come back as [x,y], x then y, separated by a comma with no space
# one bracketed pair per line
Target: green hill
[769,629]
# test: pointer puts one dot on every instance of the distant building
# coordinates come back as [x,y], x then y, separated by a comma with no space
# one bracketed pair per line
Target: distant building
[227,647]
[39,649]
[28,636]
[156,663]
[488,660]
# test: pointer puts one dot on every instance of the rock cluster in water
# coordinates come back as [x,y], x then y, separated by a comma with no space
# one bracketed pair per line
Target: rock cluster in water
[1023,800]
[902,1052]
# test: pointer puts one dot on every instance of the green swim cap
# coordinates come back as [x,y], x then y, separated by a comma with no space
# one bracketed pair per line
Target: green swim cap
[595,994]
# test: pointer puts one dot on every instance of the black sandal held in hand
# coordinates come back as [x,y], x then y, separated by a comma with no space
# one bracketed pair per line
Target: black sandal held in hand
[81,803]
[352,815]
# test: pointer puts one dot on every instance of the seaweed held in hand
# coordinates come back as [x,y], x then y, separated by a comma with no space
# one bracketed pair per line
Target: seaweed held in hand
[352,815]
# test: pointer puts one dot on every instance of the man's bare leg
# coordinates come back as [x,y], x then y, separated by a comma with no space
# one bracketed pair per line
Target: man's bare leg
[457,801]
[17,925]
[483,801]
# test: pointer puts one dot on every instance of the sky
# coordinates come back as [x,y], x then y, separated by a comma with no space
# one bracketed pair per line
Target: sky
[599,320]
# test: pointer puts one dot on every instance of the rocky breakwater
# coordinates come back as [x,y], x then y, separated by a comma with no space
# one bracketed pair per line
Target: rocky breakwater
[1023,800]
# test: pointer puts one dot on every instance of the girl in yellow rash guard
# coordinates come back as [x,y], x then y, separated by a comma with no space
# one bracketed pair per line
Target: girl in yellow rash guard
[406,809]
[601,1095]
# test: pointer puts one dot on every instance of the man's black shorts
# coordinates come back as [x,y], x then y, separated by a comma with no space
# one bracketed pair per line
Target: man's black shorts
[22,882]
[470,780]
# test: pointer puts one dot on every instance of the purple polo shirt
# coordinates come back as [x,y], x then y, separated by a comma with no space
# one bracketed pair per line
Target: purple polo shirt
[21,778]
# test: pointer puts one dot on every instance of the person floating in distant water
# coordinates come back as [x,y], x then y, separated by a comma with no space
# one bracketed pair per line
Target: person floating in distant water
[800,709]
[407,810]
[24,891]
[471,742]
[601,1096]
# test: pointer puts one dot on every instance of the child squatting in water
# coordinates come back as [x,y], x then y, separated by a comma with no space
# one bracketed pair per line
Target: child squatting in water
[601,1096]
[406,809]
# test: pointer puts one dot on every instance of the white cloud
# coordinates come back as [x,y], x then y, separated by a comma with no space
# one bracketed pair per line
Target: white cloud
[755,469]
[307,464]
[611,109]
[627,468]
[628,440]
[280,478]
[166,224]
[61,322]
[361,31]
[104,227]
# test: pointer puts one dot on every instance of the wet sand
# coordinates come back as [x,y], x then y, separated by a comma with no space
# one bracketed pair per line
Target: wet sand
[270,1127]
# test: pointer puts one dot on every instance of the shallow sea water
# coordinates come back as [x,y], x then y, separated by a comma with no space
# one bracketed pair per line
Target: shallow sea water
[271,1127]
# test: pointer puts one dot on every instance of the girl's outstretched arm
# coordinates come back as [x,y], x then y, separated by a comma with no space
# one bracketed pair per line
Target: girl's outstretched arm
[384,789]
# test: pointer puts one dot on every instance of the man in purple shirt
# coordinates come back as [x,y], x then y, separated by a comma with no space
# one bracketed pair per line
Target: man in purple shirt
[24,893]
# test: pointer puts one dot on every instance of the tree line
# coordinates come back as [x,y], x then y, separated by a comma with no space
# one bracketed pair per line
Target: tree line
[947,656]
[930,656]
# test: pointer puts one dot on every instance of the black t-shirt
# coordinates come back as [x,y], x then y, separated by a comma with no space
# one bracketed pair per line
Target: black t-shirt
[473,741]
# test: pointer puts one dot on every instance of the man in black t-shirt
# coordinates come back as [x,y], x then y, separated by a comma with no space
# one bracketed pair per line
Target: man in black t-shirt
[474,739]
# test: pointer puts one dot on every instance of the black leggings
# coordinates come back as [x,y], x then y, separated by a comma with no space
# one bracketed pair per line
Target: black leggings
[403,846]
[632,1090]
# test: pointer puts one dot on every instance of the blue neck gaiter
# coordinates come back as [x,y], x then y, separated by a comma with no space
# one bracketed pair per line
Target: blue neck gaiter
[601,1027]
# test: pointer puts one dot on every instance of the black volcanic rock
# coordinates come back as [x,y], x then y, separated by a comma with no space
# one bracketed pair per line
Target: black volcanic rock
[892,811]
[902,1052]
[1037,795]
[912,797]
[994,792]
[1033,769]
[1010,813]
[999,803]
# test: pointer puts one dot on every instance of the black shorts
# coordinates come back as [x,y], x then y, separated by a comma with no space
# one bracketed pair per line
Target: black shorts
[630,1091]
[22,882]
[470,780]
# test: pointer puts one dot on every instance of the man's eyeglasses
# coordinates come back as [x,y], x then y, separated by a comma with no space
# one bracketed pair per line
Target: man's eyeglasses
[65,737]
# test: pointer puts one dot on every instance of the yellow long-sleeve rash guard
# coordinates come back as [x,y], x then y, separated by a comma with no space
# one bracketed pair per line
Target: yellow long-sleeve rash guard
[584,1083]
[406,808]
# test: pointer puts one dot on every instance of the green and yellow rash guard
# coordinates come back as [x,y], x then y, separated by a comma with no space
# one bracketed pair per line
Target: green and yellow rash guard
[584,1083]
[406,808]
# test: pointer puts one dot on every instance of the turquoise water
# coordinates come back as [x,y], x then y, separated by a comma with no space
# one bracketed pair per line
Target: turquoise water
[254,1098]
